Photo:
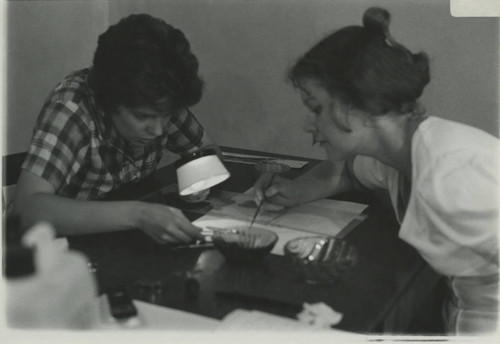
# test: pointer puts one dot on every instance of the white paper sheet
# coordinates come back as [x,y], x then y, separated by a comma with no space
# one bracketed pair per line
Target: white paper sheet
[243,207]
[321,217]
[325,217]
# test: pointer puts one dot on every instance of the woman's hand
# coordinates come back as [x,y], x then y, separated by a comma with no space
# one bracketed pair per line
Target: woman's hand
[166,224]
[281,194]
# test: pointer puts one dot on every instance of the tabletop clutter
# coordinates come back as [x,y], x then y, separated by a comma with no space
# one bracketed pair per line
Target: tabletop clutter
[320,259]
[304,247]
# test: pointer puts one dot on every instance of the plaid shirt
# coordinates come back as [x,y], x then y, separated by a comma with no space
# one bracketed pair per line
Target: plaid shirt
[77,149]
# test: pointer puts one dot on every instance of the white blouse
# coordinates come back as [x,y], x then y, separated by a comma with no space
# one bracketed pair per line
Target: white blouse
[452,213]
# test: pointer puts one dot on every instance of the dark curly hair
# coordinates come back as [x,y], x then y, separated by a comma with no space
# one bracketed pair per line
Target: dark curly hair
[143,61]
[366,67]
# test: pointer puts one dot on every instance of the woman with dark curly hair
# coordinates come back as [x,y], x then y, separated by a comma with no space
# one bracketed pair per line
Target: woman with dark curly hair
[108,125]
[362,88]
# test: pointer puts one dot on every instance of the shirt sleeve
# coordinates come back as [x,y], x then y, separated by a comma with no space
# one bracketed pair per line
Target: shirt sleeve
[59,144]
[186,134]
[461,196]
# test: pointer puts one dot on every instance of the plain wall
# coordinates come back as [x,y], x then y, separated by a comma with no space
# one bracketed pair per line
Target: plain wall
[244,48]
[45,41]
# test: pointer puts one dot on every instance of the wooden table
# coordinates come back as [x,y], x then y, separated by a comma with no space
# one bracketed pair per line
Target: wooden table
[381,293]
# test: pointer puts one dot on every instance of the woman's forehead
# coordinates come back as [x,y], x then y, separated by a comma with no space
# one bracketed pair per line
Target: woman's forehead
[145,110]
[160,108]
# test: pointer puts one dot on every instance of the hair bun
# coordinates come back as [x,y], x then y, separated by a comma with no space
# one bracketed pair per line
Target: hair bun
[377,19]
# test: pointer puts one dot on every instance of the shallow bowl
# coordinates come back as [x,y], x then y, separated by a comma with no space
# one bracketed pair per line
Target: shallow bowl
[243,245]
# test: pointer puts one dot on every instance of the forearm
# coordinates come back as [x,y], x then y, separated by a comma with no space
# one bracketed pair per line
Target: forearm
[70,216]
[324,180]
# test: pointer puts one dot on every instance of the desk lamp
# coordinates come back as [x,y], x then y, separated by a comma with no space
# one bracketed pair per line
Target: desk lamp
[199,171]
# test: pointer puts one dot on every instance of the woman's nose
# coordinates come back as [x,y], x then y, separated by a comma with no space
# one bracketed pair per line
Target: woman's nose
[156,127]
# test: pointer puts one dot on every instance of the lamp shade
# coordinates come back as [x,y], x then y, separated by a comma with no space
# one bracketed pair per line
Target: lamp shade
[200,172]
